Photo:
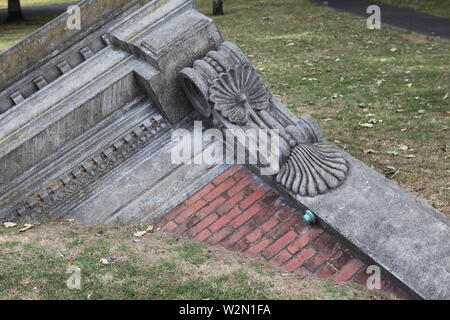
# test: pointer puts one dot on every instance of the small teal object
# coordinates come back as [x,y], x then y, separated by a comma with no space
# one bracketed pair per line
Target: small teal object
[309,217]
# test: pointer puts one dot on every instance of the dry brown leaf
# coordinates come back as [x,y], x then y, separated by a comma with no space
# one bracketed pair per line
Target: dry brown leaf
[9,224]
[26,227]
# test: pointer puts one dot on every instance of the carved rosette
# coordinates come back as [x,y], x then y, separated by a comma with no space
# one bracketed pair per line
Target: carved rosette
[238,91]
[225,88]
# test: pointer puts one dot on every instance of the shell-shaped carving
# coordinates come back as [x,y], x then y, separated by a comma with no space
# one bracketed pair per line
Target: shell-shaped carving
[236,90]
[313,169]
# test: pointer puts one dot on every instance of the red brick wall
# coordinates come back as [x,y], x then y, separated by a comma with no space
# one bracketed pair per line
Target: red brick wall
[238,211]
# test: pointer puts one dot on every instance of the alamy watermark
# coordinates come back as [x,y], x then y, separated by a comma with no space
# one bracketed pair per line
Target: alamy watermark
[74,20]
[374,280]
[231,146]
[374,20]
[74,280]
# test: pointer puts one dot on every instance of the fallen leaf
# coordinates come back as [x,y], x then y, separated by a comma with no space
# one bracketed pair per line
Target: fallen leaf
[104,261]
[27,226]
[9,224]
[368,151]
[421,111]
[403,147]
[366,125]
[392,153]
[390,172]
[409,156]
[393,49]
[139,233]
[150,228]
[445,97]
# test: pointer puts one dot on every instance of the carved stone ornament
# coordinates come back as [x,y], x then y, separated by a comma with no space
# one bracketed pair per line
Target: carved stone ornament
[237,93]
[224,87]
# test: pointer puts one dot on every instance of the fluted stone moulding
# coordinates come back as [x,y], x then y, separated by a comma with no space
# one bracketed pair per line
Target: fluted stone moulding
[225,88]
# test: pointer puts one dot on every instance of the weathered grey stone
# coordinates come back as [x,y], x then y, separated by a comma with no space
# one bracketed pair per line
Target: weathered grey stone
[114,75]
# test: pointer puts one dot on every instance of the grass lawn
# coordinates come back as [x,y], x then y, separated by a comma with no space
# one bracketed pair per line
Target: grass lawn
[439,8]
[34,264]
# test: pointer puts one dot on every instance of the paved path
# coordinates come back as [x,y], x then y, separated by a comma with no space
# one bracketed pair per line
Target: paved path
[38,10]
[399,17]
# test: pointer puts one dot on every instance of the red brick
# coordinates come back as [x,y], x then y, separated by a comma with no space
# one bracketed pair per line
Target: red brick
[264,214]
[239,186]
[170,226]
[246,215]
[349,270]
[323,241]
[262,230]
[341,258]
[243,172]
[218,236]
[282,229]
[237,197]
[206,210]
[270,198]
[197,196]
[226,174]
[260,246]
[299,259]
[190,211]
[225,219]
[301,227]
[225,207]
[304,240]
[255,235]
[280,258]
[256,184]
[172,214]
[362,277]
[203,224]
[241,245]
[182,228]
[252,198]
[202,236]
[319,259]
[285,227]
[285,213]
[269,225]
[230,203]
[221,188]
[326,271]
[278,245]
[303,272]
[238,234]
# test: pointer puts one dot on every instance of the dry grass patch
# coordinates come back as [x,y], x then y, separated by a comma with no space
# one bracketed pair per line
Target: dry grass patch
[33,265]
